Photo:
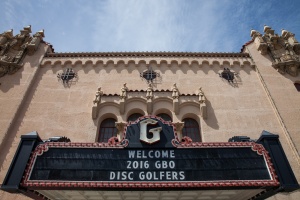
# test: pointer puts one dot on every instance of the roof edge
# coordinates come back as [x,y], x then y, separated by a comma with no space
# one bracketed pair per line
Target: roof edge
[145,54]
[246,44]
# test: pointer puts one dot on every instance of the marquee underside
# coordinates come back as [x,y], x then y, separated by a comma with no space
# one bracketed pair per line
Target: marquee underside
[241,194]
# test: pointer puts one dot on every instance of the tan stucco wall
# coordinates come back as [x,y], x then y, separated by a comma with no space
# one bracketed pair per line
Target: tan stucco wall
[285,100]
[230,109]
[67,110]
[14,92]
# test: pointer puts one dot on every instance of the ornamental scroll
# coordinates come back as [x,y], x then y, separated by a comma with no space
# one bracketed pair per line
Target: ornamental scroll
[14,48]
[284,49]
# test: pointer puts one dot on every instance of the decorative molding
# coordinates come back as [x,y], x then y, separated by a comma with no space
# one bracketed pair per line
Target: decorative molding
[146,54]
[14,48]
[148,185]
[284,49]
[174,96]
[137,61]
[154,91]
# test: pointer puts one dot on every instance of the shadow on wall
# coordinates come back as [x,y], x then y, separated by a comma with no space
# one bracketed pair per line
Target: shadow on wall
[211,120]
[9,81]
[12,132]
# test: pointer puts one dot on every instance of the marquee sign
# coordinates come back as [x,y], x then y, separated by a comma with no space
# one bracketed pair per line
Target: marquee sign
[149,156]
[186,164]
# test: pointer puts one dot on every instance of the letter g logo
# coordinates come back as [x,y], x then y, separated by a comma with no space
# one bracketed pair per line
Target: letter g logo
[155,131]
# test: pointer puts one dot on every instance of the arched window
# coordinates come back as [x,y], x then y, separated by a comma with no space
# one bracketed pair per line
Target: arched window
[134,117]
[107,130]
[165,117]
[191,129]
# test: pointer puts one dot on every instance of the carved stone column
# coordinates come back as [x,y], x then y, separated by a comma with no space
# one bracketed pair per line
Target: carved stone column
[94,112]
[179,126]
[203,110]
[122,106]
[149,106]
[120,126]
[176,106]
[149,96]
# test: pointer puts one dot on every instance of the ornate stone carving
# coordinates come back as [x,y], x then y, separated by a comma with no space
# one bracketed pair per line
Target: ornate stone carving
[175,92]
[284,49]
[123,93]
[179,126]
[202,101]
[98,95]
[121,128]
[201,95]
[149,91]
[259,41]
[14,48]
[34,43]
[175,96]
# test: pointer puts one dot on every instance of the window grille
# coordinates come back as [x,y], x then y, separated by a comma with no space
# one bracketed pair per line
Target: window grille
[107,130]
[191,129]
[149,75]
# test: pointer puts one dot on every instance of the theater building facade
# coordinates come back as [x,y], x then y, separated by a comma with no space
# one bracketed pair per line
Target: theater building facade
[150,125]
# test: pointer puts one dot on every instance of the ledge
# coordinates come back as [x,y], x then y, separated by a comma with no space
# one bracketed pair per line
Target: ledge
[146,54]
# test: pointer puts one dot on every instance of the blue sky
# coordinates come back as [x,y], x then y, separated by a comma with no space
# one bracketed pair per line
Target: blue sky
[149,25]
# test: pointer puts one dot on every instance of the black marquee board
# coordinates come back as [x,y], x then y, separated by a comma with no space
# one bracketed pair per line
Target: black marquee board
[141,161]
[187,164]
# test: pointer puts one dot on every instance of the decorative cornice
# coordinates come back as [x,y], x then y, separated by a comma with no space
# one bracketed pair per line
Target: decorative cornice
[146,54]
[157,90]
